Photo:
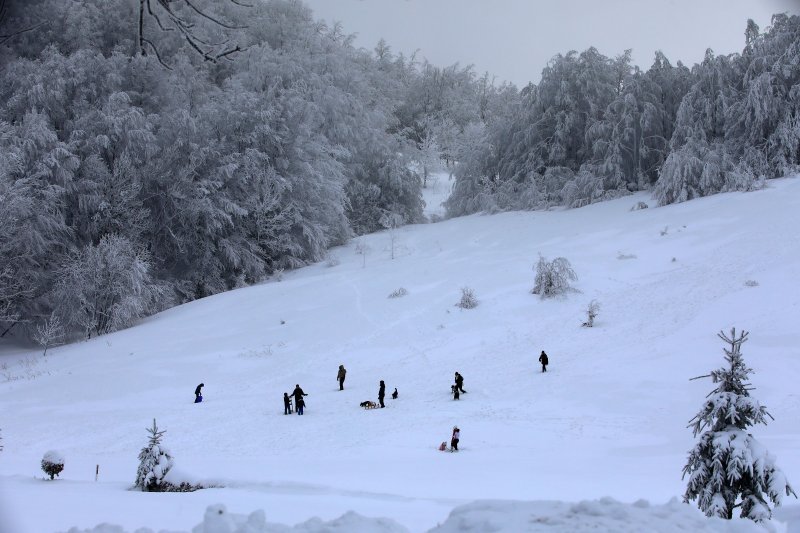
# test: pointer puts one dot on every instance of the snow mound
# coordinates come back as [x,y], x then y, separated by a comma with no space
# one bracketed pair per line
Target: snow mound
[218,520]
[495,516]
[605,514]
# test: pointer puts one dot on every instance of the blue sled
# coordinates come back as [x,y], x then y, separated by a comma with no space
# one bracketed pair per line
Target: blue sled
[198,399]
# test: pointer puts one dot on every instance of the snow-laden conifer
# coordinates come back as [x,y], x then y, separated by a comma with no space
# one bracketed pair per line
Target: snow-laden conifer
[728,468]
[154,463]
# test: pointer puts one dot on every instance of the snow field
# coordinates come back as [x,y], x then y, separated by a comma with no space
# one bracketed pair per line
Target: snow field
[607,419]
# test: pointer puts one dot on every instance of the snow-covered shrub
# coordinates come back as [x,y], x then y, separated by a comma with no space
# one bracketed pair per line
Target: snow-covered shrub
[155,461]
[583,190]
[52,463]
[49,333]
[106,287]
[622,256]
[553,277]
[398,293]
[728,468]
[639,206]
[751,283]
[1,440]
[591,312]
[332,261]
[468,299]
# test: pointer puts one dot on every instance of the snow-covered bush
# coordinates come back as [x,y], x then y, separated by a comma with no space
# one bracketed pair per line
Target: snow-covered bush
[155,461]
[591,313]
[751,283]
[728,468]
[639,206]
[49,333]
[553,277]
[398,293]
[52,463]
[332,261]
[468,299]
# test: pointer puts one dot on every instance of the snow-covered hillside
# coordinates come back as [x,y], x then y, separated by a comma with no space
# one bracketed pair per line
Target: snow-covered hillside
[607,419]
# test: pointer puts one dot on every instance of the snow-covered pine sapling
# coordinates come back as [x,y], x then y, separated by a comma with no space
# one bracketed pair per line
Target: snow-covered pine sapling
[591,312]
[49,333]
[154,463]
[468,299]
[52,463]
[728,468]
[553,277]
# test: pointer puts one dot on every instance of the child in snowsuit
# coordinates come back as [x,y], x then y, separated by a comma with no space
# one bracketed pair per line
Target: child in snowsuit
[198,395]
[394,394]
[454,388]
[454,439]
[340,376]
[287,404]
[544,361]
[300,404]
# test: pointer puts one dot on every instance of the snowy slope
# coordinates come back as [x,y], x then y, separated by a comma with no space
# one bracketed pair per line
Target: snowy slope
[608,418]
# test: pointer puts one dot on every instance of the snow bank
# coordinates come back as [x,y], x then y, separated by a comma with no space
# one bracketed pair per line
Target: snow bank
[605,514]
[218,520]
[594,516]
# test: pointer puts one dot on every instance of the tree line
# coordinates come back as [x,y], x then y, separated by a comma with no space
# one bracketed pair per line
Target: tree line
[597,127]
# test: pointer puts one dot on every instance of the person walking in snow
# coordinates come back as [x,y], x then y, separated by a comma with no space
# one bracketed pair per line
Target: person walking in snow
[454,439]
[287,404]
[460,382]
[340,376]
[300,404]
[198,394]
[543,359]
[394,394]
[382,393]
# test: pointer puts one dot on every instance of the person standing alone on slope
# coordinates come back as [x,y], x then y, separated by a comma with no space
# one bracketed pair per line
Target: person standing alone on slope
[543,359]
[198,394]
[382,393]
[340,376]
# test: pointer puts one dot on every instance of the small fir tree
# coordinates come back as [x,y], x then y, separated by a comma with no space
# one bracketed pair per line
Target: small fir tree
[52,463]
[728,468]
[154,463]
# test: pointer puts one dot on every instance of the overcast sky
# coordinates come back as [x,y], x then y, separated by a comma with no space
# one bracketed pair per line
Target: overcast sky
[514,39]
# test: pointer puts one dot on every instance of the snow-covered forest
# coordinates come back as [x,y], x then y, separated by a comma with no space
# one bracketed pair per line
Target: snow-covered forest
[154,153]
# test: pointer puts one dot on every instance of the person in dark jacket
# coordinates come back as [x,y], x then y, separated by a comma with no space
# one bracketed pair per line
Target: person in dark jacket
[340,376]
[198,394]
[382,393]
[460,382]
[298,395]
[394,394]
[300,404]
[287,404]
[543,359]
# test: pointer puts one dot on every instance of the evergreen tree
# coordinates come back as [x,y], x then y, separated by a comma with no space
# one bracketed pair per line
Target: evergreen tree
[154,463]
[728,467]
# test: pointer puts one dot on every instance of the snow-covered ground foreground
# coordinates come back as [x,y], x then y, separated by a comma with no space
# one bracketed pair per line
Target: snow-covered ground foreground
[608,419]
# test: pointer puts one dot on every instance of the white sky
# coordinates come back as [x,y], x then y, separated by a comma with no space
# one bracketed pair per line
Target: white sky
[514,39]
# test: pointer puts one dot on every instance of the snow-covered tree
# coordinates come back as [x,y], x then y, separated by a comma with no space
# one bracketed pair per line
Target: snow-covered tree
[154,463]
[553,277]
[52,463]
[468,299]
[728,468]
[591,313]
[49,333]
